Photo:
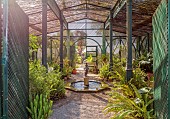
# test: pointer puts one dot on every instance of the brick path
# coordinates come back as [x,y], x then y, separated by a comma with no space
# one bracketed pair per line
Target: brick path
[81,105]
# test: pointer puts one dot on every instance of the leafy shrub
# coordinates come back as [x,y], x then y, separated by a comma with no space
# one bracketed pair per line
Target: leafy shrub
[43,82]
[40,107]
[138,78]
[89,59]
[119,73]
[145,62]
[67,69]
[133,106]
[104,71]
[104,59]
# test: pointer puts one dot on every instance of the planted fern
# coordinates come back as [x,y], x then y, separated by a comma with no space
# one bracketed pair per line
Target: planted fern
[133,106]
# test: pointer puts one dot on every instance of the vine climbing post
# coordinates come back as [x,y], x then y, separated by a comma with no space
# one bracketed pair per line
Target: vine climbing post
[129,39]
[44,33]
[111,40]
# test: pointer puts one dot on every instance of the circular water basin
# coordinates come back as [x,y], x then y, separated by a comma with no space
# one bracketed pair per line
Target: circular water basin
[93,85]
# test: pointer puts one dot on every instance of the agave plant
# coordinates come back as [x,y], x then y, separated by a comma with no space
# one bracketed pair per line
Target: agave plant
[125,107]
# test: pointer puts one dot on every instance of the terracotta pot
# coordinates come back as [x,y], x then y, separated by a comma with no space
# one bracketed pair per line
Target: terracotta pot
[149,75]
[74,71]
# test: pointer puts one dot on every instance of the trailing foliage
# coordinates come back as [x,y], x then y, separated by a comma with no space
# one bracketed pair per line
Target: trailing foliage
[43,82]
[40,107]
[129,103]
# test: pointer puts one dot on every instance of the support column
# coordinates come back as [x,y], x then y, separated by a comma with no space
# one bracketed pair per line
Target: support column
[120,48]
[129,39]
[103,42]
[51,50]
[111,40]
[138,45]
[1,82]
[5,59]
[148,42]
[61,43]
[168,58]
[68,45]
[44,33]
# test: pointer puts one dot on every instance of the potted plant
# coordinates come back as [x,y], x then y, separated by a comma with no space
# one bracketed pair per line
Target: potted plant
[74,71]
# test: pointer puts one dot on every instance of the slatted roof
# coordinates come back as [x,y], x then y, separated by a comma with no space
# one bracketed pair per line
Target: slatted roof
[97,10]
[142,12]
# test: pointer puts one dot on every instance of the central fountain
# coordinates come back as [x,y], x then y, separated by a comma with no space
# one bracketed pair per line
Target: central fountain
[87,85]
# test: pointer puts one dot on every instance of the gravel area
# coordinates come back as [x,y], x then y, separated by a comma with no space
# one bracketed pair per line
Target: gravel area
[81,105]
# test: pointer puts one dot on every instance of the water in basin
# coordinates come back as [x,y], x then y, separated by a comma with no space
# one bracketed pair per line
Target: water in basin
[93,85]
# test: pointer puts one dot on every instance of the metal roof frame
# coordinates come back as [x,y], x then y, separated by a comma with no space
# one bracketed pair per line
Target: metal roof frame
[95,10]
